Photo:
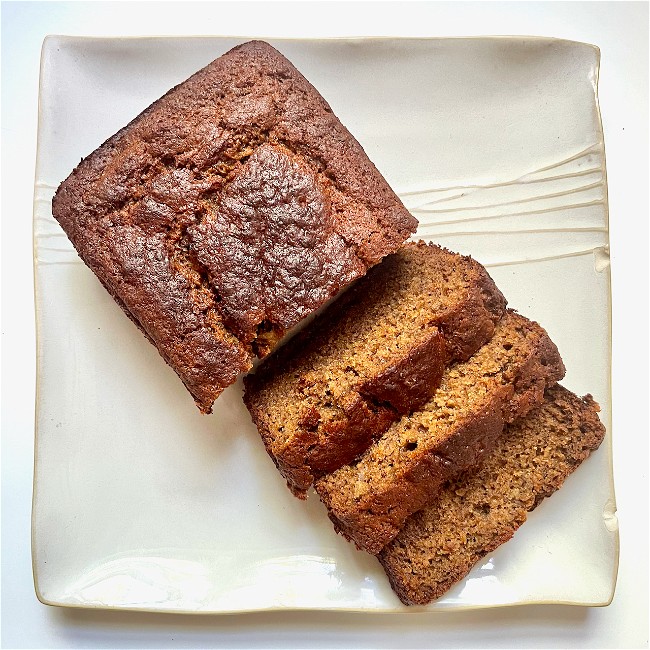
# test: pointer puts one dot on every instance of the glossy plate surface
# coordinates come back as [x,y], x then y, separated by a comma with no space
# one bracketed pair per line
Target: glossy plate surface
[140,502]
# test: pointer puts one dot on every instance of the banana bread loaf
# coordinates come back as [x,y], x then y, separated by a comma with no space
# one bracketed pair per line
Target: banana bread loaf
[479,511]
[370,499]
[226,212]
[379,351]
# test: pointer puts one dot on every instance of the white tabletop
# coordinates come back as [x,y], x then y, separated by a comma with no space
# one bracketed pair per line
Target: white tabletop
[621,31]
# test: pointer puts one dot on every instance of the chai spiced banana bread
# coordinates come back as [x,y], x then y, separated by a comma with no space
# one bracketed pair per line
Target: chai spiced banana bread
[479,511]
[226,212]
[376,353]
[369,500]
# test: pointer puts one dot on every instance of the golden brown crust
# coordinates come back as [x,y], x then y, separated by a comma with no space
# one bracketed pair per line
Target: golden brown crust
[229,209]
[407,383]
[479,511]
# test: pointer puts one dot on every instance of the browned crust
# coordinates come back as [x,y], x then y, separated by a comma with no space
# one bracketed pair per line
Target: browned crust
[373,519]
[364,417]
[361,422]
[433,552]
[409,383]
[370,409]
[156,176]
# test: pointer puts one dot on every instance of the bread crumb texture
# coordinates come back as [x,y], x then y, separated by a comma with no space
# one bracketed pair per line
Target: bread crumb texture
[375,354]
[370,499]
[480,510]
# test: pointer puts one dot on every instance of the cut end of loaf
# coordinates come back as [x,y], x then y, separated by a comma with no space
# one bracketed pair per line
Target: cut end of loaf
[482,509]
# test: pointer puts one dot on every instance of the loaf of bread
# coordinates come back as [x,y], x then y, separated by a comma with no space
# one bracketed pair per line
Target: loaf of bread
[479,511]
[226,212]
[376,353]
[370,499]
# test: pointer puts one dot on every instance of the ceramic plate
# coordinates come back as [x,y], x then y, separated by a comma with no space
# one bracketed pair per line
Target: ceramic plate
[140,502]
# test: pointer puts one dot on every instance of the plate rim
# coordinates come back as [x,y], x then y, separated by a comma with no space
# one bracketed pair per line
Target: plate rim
[400,609]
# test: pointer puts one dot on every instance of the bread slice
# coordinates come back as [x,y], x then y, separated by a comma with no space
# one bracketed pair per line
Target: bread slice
[226,212]
[479,511]
[370,500]
[376,353]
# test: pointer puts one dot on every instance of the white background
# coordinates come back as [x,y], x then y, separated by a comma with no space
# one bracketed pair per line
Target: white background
[621,31]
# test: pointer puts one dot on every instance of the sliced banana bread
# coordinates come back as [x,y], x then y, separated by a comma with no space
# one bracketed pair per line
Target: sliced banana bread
[370,500]
[376,353]
[477,512]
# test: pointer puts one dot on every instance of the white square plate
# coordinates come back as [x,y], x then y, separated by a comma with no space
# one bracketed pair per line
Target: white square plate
[140,502]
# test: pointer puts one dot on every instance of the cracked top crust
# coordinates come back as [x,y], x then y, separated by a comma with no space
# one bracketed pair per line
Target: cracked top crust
[270,246]
[226,212]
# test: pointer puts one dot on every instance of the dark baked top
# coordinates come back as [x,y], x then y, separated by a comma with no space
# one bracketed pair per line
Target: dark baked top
[370,499]
[227,211]
[480,510]
[375,354]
